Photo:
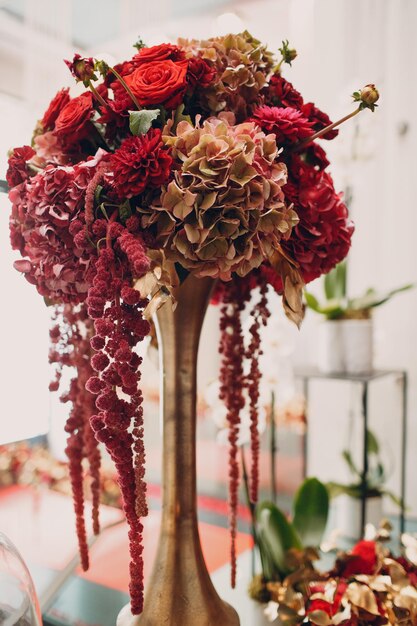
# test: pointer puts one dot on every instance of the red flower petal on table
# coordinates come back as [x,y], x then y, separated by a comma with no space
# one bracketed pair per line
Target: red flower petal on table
[363,561]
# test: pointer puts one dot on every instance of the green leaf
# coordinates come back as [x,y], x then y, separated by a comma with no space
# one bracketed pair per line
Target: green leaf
[349,460]
[277,534]
[311,510]
[125,211]
[335,282]
[332,309]
[180,117]
[312,302]
[141,121]
[372,441]
[97,193]
[372,299]
[395,499]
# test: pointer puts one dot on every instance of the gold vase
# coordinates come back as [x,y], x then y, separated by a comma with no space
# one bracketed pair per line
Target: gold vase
[179,591]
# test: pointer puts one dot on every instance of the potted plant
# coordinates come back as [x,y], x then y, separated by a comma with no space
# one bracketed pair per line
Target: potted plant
[346,337]
[349,495]
[286,544]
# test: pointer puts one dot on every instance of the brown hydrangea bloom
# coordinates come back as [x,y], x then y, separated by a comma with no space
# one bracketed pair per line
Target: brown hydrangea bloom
[242,64]
[224,210]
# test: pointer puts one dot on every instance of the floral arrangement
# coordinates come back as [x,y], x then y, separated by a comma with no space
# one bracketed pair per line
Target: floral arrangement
[367,585]
[23,464]
[194,158]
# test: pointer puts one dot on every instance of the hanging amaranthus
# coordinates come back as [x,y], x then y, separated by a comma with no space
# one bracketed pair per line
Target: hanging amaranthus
[260,314]
[70,337]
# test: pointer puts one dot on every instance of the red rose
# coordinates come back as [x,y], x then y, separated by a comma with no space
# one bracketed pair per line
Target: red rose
[162,52]
[140,163]
[159,82]
[72,121]
[280,92]
[17,170]
[55,107]
[287,124]
[363,561]
[319,120]
[200,73]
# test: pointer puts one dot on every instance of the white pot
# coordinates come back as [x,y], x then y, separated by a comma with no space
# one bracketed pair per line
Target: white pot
[358,346]
[349,512]
[330,348]
[345,346]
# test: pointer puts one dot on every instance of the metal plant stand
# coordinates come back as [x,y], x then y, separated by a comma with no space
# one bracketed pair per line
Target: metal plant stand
[364,380]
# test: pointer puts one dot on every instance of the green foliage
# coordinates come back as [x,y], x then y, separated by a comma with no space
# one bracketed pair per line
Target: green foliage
[337,305]
[141,121]
[311,510]
[276,535]
[375,480]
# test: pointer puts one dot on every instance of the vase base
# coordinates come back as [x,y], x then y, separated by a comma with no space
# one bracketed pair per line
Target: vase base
[225,615]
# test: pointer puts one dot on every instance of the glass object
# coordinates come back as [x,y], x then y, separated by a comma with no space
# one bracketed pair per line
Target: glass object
[18,602]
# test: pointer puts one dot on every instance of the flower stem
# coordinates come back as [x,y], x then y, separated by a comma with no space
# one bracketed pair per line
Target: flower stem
[323,131]
[250,505]
[273,450]
[125,86]
[97,95]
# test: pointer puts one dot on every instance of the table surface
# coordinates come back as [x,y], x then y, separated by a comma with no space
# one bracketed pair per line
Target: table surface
[41,525]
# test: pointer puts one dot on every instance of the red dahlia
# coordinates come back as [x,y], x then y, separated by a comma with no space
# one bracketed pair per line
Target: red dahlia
[287,124]
[323,235]
[280,92]
[139,163]
[319,120]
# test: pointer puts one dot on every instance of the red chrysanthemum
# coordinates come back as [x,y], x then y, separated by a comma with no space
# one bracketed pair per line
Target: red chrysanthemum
[287,124]
[140,163]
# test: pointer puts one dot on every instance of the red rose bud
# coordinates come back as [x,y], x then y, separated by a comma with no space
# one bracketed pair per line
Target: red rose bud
[82,69]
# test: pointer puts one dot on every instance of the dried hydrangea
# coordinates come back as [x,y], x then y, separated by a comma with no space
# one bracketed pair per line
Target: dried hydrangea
[242,64]
[224,210]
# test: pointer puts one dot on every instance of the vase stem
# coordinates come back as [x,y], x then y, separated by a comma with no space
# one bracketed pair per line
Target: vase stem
[179,591]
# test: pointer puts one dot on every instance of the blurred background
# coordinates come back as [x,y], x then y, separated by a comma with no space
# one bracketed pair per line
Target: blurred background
[342,45]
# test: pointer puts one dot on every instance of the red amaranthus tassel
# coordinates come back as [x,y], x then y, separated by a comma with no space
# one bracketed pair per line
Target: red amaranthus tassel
[260,314]
[70,338]
[232,382]
[119,325]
